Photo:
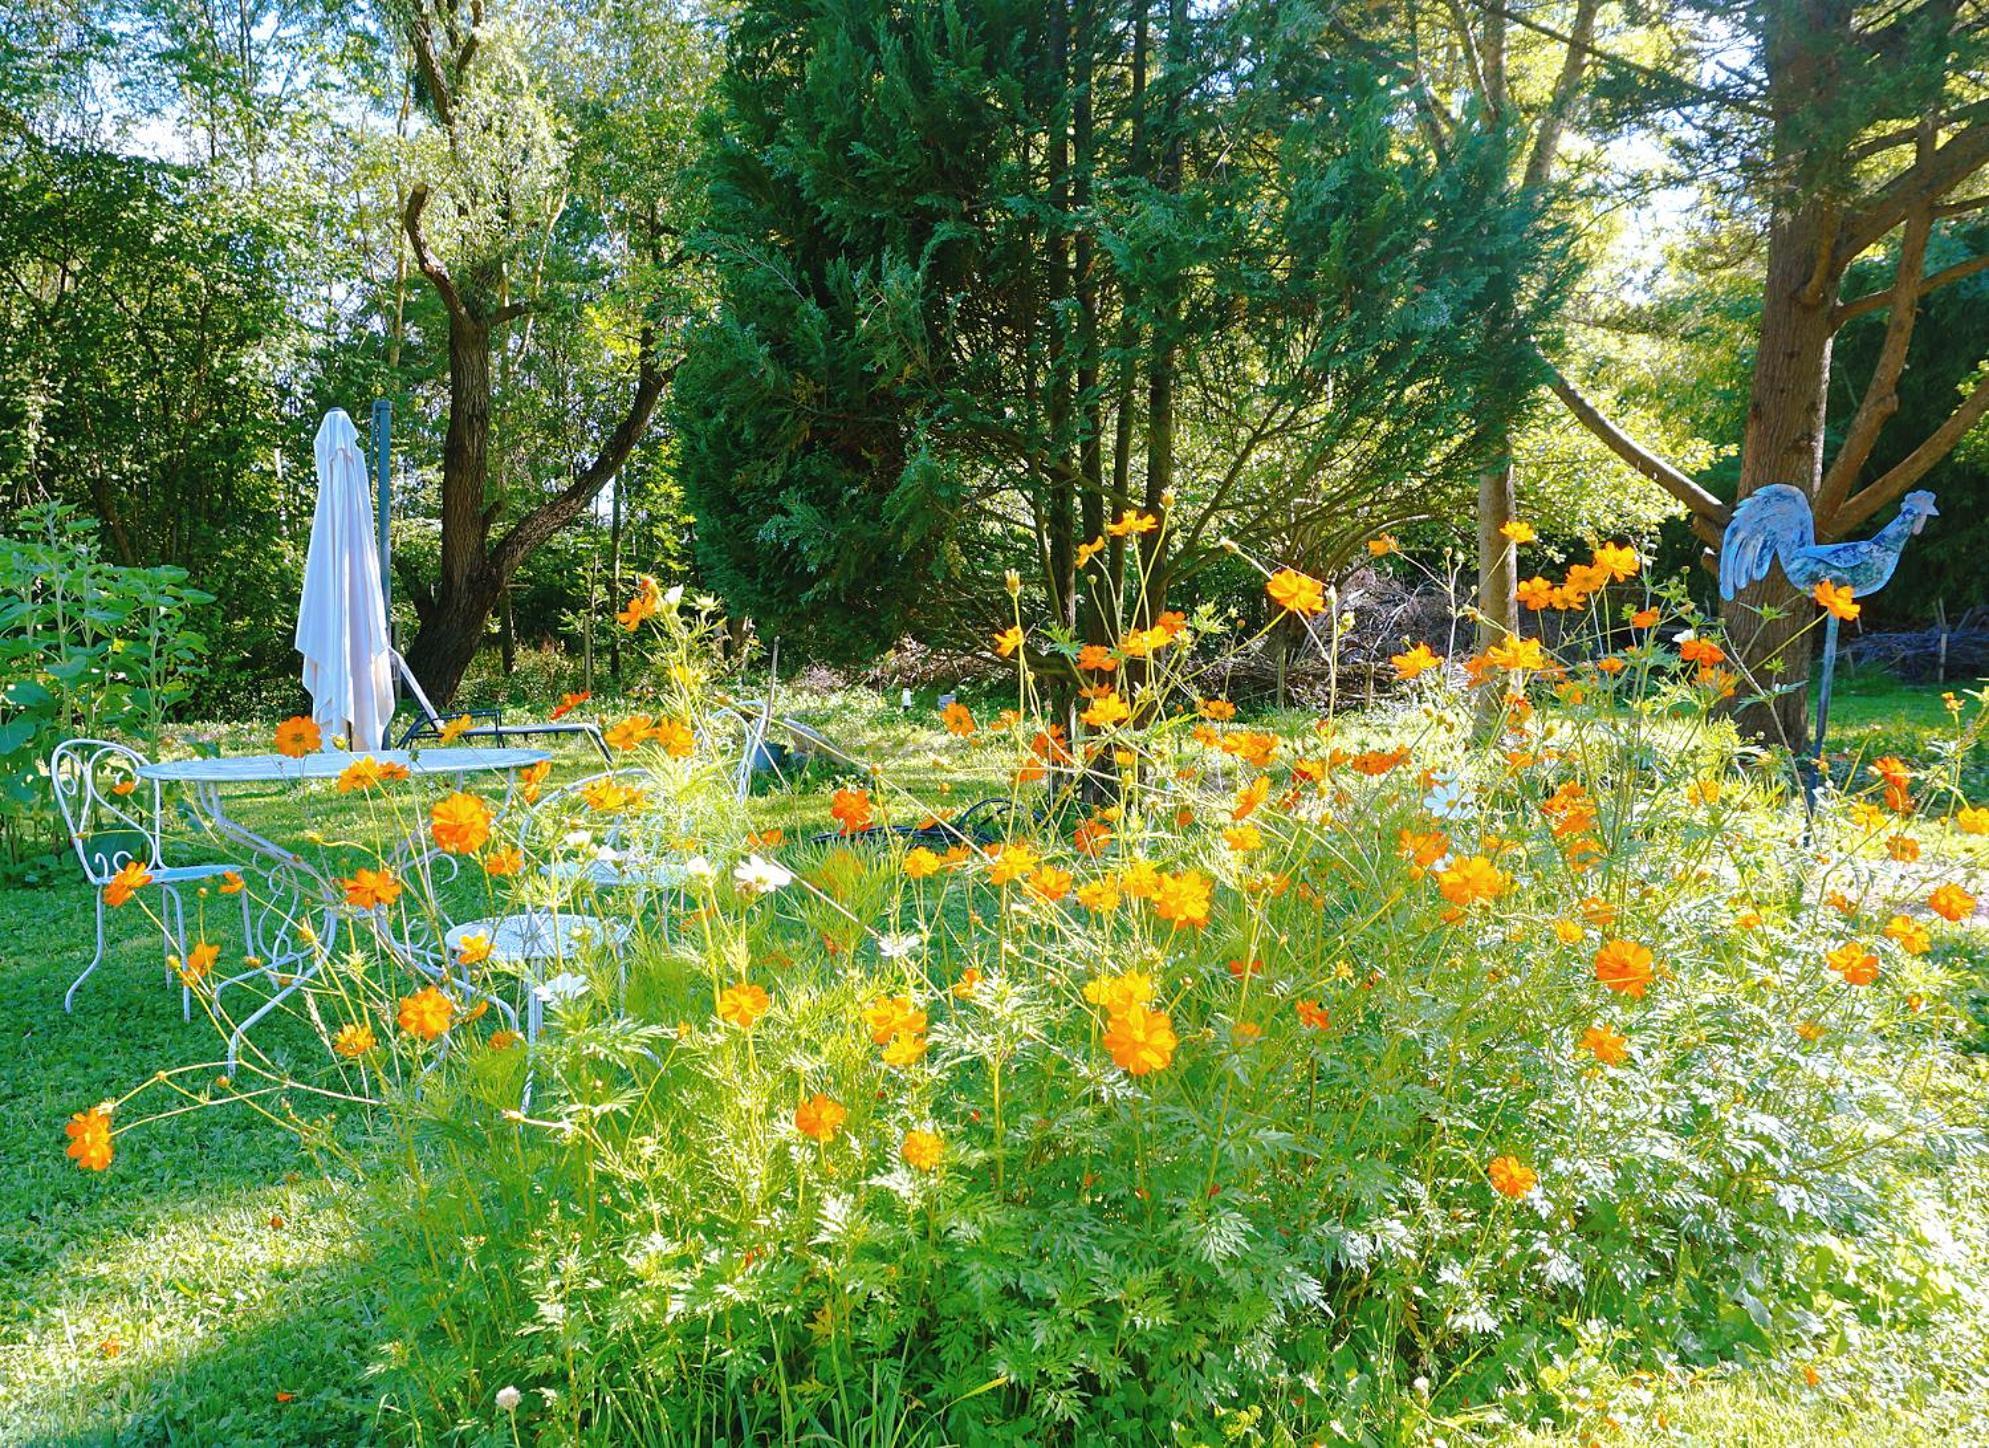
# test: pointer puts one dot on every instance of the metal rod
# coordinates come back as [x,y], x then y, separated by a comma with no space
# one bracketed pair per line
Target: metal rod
[383,430]
[1823,688]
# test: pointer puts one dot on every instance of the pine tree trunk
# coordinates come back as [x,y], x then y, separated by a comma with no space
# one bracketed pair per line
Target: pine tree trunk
[1498,606]
[1783,442]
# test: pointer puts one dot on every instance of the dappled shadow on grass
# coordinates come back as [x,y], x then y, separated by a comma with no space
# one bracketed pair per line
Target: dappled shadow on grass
[292,1371]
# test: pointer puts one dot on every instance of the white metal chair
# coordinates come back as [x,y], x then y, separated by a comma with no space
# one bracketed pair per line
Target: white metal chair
[95,783]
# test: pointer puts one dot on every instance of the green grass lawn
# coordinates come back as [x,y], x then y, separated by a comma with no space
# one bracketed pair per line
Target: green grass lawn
[213,1287]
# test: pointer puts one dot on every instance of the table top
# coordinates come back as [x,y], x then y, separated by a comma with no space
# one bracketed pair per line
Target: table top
[260,768]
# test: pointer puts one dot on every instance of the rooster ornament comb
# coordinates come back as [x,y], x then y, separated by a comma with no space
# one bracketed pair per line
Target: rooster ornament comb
[1774,525]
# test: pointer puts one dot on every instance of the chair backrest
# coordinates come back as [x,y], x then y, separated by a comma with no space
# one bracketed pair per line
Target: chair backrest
[415,691]
[112,815]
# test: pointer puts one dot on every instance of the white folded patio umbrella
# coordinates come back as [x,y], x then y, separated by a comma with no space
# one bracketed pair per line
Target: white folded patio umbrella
[342,617]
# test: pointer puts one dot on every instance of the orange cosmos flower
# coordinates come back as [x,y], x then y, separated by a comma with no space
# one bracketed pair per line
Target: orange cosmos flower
[851,810]
[1972,819]
[920,863]
[1415,662]
[820,1117]
[958,719]
[1909,935]
[568,703]
[353,1040]
[1951,902]
[1835,599]
[298,736]
[969,982]
[1376,762]
[1101,897]
[1296,592]
[629,732]
[460,824]
[1616,561]
[1249,798]
[1903,848]
[1625,967]
[503,862]
[904,1048]
[1511,1177]
[426,1014]
[1140,1041]
[1097,659]
[1422,850]
[231,883]
[1220,710]
[1050,883]
[1607,1044]
[1131,523]
[1243,838]
[1517,654]
[674,737]
[1382,546]
[199,960]
[743,1004]
[646,604]
[1120,993]
[1088,551]
[89,1135]
[1473,881]
[611,796]
[533,777]
[1091,837]
[921,1150]
[456,728]
[1105,711]
[887,1016]
[1535,593]
[364,774]
[1183,899]
[473,949]
[1008,640]
[130,877]
[504,1040]
[1311,1013]
[1644,618]
[1854,962]
[1518,532]
[1703,652]
[368,889]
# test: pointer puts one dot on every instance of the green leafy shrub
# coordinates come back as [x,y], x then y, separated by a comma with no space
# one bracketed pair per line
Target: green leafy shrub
[87,648]
[1344,1080]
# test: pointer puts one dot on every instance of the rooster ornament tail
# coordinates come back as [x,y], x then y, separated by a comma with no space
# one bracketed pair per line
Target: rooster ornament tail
[1772,522]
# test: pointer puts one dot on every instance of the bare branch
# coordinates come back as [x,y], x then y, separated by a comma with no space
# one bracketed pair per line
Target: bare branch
[1914,466]
[1876,301]
[1635,67]
[1640,458]
[1881,396]
[1567,85]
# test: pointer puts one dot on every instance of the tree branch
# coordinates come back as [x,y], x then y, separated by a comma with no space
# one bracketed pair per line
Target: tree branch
[1635,67]
[1914,466]
[1640,458]
[1567,85]
[564,506]
[430,264]
[1881,396]
[1931,177]
[1876,301]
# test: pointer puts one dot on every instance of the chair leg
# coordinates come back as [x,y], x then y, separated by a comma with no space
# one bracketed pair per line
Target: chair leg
[178,942]
[69,997]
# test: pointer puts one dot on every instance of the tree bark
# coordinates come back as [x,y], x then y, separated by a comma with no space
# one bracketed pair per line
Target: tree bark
[1784,436]
[1498,604]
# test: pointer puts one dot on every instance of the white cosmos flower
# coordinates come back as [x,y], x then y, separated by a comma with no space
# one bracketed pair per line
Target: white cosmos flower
[756,876]
[1450,800]
[674,595]
[699,871]
[566,986]
[897,947]
[578,839]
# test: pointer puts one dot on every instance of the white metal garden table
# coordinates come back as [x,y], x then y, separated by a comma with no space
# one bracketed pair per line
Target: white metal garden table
[296,887]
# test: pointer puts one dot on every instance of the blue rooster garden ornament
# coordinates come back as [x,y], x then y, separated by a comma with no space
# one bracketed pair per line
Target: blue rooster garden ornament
[1774,525]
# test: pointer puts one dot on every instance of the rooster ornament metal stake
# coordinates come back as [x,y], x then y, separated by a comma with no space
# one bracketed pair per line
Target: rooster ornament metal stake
[1774,525]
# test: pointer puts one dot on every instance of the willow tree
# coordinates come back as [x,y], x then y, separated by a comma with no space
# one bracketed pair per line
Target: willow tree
[546,195]
[992,276]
